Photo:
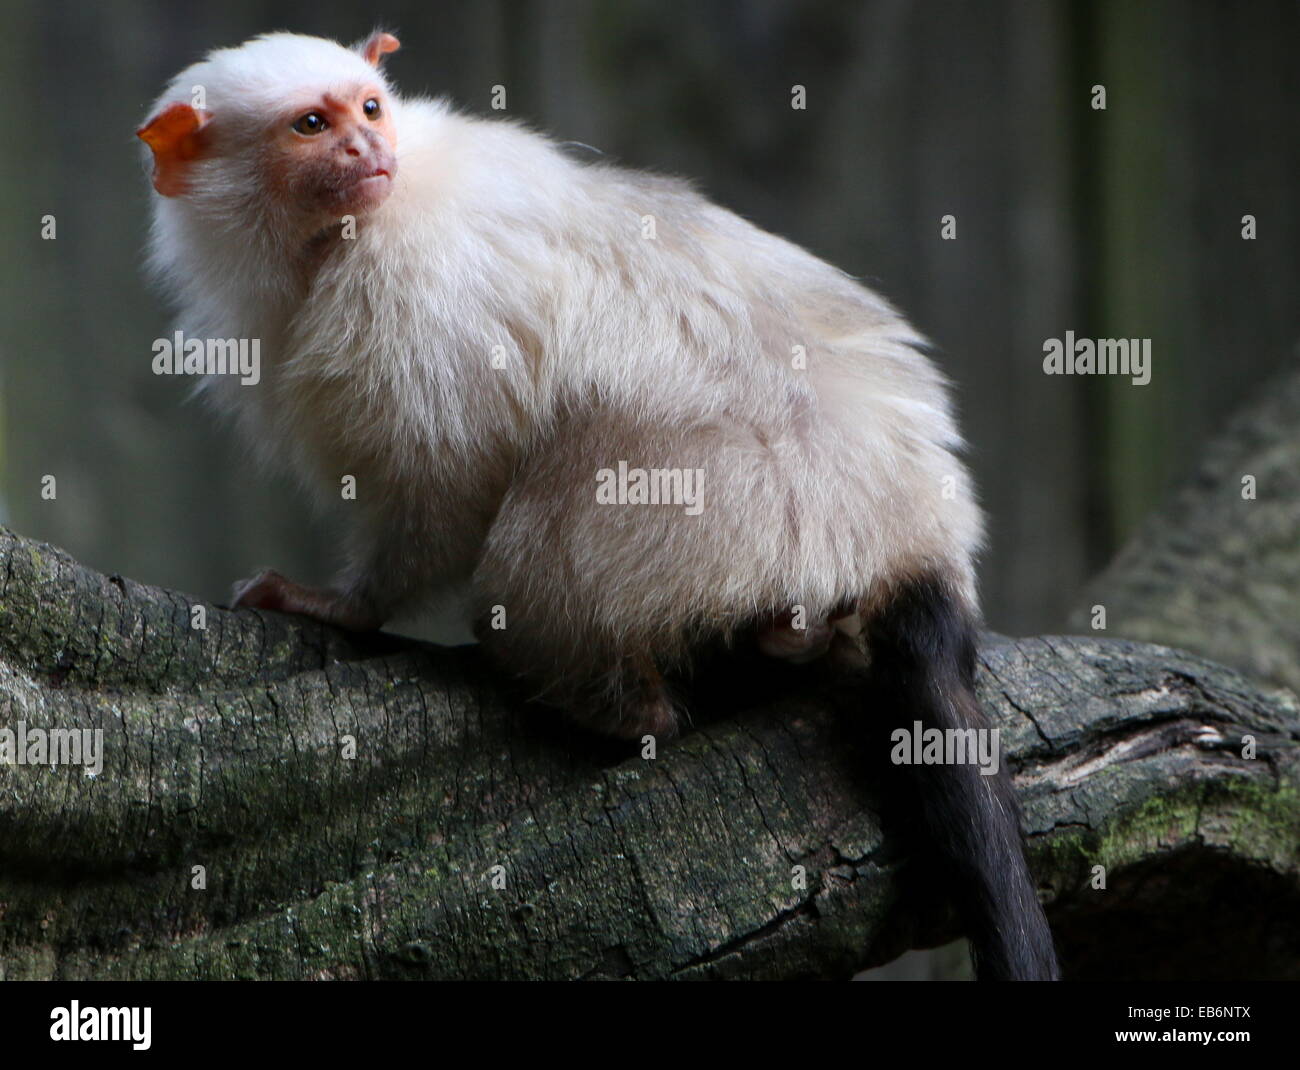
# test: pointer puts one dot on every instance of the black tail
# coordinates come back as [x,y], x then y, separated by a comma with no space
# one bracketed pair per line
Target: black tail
[923,658]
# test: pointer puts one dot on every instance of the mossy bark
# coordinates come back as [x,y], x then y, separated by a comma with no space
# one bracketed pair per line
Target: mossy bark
[379,807]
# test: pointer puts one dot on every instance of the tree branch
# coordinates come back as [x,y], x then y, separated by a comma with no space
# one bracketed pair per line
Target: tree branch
[228,748]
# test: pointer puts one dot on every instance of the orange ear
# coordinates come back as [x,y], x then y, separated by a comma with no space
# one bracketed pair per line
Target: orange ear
[175,137]
[378,46]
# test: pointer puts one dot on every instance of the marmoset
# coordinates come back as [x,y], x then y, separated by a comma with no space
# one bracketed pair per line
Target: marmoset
[632,423]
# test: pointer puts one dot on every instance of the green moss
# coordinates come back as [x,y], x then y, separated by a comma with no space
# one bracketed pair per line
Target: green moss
[1253,820]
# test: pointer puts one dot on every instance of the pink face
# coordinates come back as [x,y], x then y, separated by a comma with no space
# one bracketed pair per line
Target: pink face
[331,156]
[336,155]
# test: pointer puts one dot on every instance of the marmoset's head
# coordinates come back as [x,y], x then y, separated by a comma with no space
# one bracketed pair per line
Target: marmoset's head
[285,131]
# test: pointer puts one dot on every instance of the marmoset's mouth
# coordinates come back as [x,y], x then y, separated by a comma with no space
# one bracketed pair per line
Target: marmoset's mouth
[369,189]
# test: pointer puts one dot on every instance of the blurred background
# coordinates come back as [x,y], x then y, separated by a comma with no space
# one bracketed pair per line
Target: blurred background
[1118,223]
[1123,222]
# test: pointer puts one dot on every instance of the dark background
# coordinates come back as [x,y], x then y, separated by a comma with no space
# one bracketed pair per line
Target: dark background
[1117,223]
[1124,222]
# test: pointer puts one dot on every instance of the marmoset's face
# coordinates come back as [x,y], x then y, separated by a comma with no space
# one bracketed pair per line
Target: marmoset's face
[334,154]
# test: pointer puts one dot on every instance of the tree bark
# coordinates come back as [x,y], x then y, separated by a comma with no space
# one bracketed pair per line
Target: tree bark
[1217,571]
[469,835]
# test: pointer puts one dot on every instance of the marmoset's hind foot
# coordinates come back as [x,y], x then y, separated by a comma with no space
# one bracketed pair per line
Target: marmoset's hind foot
[269,590]
[642,706]
[780,638]
[789,637]
[645,715]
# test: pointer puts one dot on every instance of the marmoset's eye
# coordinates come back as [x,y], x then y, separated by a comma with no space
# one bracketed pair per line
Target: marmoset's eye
[311,123]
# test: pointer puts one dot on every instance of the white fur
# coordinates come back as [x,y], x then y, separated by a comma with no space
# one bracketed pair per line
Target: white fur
[821,484]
